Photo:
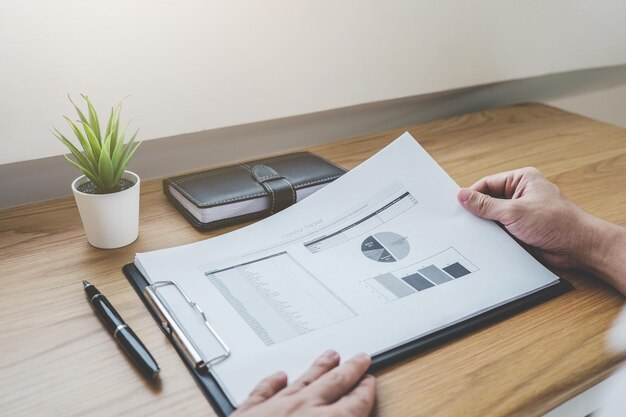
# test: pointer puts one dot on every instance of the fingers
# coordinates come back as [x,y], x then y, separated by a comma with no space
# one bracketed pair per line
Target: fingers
[327,361]
[483,205]
[505,184]
[336,383]
[359,401]
[497,185]
[489,197]
[265,389]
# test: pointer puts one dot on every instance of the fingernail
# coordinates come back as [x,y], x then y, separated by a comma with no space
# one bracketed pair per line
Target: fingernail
[330,353]
[464,195]
[362,355]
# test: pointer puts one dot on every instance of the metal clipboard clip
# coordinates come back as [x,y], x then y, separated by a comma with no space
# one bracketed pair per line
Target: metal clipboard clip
[181,336]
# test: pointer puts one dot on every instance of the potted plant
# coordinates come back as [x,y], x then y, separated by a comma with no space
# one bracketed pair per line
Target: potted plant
[106,194]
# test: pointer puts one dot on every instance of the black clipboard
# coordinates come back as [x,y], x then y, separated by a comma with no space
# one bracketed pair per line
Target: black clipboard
[223,407]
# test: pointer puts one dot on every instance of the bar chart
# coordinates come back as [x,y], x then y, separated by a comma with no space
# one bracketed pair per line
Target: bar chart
[438,269]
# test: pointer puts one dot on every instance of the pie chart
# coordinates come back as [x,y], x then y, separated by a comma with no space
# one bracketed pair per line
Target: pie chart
[385,247]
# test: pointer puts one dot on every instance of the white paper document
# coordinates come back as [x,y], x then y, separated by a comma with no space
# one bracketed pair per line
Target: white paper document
[380,257]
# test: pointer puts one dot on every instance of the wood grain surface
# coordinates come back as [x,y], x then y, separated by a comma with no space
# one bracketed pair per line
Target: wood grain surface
[57,359]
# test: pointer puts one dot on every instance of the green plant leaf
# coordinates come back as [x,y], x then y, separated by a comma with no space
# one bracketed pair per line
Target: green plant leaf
[80,113]
[110,122]
[114,123]
[123,134]
[117,153]
[116,126]
[125,152]
[105,171]
[80,158]
[106,147]
[81,138]
[126,155]
[94,123]
[125,160]
[89,174]
[65,141]
[128,146]
[82,161]
[93,141]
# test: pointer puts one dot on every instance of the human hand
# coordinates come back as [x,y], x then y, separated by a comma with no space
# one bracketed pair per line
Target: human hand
[325,389]
[533,210]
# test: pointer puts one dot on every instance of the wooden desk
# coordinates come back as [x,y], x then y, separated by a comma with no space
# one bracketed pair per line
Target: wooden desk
[56,359]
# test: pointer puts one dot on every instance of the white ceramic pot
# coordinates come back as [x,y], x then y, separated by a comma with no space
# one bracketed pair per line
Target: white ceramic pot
[110,220]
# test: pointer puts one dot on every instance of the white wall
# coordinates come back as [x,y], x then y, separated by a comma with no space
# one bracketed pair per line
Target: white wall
[193,65]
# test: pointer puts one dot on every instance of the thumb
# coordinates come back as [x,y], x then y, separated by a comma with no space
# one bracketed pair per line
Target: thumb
[481,204]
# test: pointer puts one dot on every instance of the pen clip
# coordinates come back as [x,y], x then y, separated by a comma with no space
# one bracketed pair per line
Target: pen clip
[176,330]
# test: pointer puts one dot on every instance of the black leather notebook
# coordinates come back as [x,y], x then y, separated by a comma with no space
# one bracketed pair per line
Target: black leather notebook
[222,405]
[252,190]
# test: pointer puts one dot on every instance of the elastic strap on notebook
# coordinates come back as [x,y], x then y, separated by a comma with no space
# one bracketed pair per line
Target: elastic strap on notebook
[281,192]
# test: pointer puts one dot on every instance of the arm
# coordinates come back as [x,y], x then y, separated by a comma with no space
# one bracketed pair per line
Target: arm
[533,210]
[324,390]
[606,255]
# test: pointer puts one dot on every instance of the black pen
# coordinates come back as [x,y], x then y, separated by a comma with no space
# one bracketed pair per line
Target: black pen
[121,332]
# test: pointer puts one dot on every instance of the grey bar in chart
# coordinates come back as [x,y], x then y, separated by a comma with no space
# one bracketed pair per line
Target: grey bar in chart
[456,270]
[394,285]
[418,282]
[435,274]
